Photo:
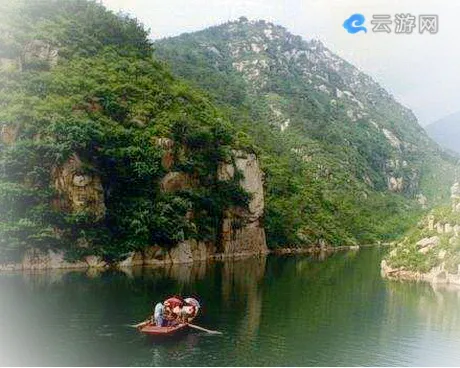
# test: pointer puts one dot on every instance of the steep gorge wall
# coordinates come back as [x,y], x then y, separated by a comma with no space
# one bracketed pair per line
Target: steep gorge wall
[242,232]
[250,237]
[79,189]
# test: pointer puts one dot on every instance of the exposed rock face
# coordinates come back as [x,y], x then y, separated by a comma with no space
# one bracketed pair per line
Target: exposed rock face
[188,251]
[35,259]
[155,256]
[134,259]
[173,180]
[240,239]
[457,230]
[176,180]
[395,184]
[392,138]
[191,250]
[437,275]
[9,133]
[455,195]
[440,258]
[39,53]
[167,144]
[422,200]
[427,244]
[95,262]
[78,190]
[242,230]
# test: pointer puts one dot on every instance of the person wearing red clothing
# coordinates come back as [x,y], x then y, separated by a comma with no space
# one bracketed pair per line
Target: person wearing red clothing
[173,307]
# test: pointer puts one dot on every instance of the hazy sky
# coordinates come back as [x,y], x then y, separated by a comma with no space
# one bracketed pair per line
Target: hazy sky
[421,71]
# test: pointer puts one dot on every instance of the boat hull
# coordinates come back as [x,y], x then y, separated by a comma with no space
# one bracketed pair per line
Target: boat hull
[153,330]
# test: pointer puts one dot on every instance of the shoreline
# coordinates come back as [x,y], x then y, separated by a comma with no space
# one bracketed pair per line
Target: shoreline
[436,276]
[99,265]
[315,250]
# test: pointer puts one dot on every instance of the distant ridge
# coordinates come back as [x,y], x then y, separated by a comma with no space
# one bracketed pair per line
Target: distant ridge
[446,132]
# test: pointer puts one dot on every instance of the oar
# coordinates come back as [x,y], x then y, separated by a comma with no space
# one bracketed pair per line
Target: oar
[139,324]
[205,329]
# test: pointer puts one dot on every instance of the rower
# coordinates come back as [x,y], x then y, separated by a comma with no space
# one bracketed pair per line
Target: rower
[158,314]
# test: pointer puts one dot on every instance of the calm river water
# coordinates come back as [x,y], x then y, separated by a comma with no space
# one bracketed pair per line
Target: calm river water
[277,311]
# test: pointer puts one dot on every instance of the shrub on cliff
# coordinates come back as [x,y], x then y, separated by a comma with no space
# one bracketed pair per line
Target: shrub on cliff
[104,102]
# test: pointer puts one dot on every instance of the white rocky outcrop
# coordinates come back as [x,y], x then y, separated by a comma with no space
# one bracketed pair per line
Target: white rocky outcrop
[444,247]
[426,244]
[395,184]
[422,200]
[392,139]
[38,51]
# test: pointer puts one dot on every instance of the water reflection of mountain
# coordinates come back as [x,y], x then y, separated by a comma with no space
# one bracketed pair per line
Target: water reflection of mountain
[92,310]
[437,306]
[295,310]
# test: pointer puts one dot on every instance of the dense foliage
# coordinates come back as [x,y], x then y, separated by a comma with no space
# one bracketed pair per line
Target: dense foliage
[78,82]
[107,101]
[327,172]
[407,252]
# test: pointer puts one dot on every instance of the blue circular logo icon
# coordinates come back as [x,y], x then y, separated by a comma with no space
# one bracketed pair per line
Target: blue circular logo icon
[354,24]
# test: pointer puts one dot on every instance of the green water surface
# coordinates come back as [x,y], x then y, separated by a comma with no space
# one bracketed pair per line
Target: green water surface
[281,311]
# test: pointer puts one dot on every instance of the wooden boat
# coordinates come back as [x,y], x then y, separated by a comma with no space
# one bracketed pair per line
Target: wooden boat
[151,329]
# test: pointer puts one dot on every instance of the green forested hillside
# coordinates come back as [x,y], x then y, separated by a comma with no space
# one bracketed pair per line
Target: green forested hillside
[83,90]
[344,161]
[79,86]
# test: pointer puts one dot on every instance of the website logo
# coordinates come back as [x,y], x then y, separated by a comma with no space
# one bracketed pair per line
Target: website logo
[400,23]
[354,24]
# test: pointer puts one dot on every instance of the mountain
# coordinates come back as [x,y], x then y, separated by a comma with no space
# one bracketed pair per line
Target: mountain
[114,149]
[327,133]
[446,132]
[105,155]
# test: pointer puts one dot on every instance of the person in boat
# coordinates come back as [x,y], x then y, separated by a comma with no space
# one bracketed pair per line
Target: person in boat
[172,309]
[158,314]
[189,311]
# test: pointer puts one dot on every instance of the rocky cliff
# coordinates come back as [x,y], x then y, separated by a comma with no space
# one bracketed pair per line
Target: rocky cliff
[77,190]
[105,157]
[432,251]
[242,228]
[242,232]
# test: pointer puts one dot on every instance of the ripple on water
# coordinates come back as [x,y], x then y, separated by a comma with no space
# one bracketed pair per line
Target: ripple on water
[287,311]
